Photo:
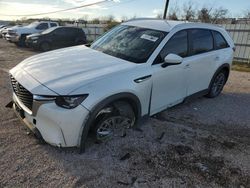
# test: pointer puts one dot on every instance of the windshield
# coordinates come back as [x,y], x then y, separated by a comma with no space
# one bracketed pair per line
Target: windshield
[130,43]
[49,30]
[33,24]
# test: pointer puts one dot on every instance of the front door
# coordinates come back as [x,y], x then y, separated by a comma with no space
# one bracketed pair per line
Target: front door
[169,83]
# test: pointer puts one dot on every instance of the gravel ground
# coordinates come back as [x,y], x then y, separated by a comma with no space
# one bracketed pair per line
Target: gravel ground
[202,143]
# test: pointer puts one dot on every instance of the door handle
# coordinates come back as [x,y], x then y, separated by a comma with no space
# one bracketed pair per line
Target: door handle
[187,66]
[141,79]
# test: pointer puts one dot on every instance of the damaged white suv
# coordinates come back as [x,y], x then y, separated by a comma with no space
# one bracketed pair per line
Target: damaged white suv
[139,68]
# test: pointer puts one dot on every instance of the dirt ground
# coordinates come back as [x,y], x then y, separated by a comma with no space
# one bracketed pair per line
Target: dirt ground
[202,143]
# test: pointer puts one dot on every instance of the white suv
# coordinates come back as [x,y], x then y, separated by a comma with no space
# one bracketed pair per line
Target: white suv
[139,68]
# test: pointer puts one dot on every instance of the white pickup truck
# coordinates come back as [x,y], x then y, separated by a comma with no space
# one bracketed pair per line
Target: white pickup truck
[18,34]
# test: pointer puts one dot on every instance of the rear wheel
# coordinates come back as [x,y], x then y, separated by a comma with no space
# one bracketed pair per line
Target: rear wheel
[113,121]
[217,85]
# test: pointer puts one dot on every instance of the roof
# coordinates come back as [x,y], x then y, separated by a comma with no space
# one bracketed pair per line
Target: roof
[165,25]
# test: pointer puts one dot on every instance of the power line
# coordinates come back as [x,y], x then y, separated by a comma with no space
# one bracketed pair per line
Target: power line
[52,12]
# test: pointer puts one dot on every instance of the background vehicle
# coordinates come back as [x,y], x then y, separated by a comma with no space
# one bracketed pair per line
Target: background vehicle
[3,31]
[139,68]
[56,37]
[18,34]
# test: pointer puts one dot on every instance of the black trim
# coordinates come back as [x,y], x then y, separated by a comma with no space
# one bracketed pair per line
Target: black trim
[196,95]
[9,105]
[93,113]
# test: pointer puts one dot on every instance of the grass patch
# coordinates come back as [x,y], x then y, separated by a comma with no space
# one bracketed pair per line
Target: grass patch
[243,67]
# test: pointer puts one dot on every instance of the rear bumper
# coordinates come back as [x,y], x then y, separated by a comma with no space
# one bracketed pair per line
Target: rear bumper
[55,125]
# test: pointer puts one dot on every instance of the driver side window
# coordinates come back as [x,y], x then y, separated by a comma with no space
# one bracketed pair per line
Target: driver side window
[177,44]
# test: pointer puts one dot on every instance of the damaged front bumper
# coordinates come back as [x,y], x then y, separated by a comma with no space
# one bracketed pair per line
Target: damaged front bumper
[55,125]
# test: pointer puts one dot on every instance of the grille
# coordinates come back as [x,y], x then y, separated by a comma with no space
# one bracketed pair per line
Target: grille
[23,94]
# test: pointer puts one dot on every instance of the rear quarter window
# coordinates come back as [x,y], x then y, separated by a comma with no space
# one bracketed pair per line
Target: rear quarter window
[53,24]
[219,41]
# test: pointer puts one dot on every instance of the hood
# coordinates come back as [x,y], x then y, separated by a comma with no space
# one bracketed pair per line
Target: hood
[35,35]
[67,69]
[24,29]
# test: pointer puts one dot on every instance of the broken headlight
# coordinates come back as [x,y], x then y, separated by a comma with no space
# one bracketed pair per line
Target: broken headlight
[70,102]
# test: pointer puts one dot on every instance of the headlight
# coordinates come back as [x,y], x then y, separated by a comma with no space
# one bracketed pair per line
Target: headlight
[70,102]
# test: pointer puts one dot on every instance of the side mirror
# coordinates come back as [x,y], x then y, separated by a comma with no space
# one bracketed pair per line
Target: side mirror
[172,59]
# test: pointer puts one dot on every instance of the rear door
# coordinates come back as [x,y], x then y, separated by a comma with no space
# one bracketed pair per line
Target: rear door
[202,61]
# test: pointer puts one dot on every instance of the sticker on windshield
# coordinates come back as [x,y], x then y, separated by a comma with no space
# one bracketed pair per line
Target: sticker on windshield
[149,37]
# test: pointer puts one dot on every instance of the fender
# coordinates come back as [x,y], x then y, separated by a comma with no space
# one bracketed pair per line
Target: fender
[131,98]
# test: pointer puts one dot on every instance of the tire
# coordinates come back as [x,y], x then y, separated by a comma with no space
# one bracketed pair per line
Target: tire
[21,42]
[45,46]
[113,121]
[217,85]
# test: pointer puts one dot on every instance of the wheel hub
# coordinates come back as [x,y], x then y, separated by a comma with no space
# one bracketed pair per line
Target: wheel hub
[113,127]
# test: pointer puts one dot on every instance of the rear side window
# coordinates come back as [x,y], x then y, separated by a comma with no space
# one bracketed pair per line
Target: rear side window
[202,41]
[60,31]
[220,41]
[53,24]
[178,45]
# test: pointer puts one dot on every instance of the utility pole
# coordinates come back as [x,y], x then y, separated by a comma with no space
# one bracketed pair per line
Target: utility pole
[166,10]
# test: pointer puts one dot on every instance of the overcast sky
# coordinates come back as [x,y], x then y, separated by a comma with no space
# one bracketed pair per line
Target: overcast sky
[117,8]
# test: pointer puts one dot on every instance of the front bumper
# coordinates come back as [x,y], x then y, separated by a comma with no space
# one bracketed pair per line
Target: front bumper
[57,126]
[32,43]
[12,38]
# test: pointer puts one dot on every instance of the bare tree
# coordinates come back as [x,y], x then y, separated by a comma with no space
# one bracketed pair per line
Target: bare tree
[204,15]
[159,15]
[247,14]
[85,17]
[124,18]
[219,14]
[173,16]
[173,13]
[189,11]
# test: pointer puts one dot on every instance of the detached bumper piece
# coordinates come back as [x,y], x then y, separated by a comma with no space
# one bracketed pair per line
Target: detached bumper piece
[20,114]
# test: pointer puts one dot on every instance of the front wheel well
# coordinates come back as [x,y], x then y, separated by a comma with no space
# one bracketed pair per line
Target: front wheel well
[131,99]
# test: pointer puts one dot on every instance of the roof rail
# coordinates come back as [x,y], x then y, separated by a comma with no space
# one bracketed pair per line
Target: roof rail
[134,19]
